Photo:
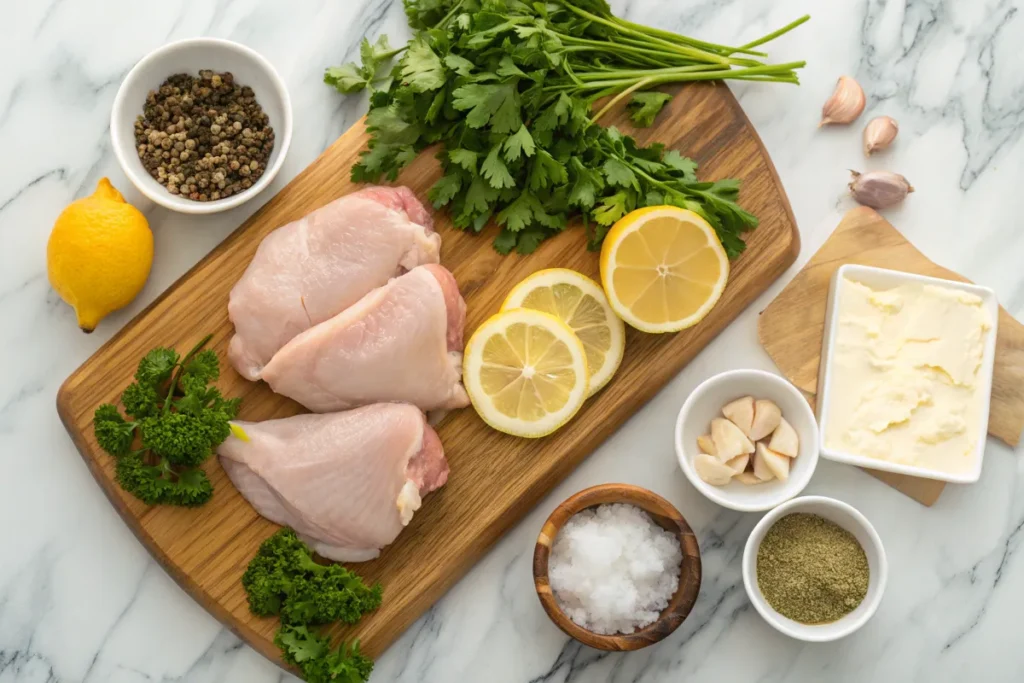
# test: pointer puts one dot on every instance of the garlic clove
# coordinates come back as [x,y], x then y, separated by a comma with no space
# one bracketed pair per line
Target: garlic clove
[784,440]
[766,418]
[879,134]
[739,463]
[711,470]
[706,445]
[845,104]
[879,189]
[761,469]
[741,413]
[776,463]
[747,478]
[729,440]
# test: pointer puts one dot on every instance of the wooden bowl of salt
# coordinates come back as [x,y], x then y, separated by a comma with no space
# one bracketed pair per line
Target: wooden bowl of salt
[661,513]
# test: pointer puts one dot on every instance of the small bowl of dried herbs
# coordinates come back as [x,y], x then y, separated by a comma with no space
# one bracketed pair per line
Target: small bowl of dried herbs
[201,125]
[815,569]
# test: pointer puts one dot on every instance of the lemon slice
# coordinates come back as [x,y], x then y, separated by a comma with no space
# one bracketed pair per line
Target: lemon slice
[580,303]
[525,372]
[663,268]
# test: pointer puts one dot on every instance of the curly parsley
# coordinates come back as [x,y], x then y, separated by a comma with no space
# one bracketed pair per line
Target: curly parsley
[179,421]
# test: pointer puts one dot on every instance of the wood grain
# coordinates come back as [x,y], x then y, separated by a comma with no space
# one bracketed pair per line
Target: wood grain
[791,327]
[495,479]
[664,515]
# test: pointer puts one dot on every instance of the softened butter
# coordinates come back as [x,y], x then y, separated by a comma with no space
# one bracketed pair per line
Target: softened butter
[904,375]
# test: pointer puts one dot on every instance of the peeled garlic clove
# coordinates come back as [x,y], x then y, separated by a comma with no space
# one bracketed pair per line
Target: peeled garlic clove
[776,463]
[879,189]
[845,104]
[729,440]
[761,469]
[711,470]
[741,413]
[739,463]
[766,418]
[705,444]
[747,478]
[784,440]
[879,133]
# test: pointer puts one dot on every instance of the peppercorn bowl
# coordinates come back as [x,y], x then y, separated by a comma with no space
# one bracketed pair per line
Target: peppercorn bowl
[191,56]
[850,519]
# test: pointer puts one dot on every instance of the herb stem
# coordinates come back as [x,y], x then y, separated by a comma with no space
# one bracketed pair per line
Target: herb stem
[181,367]
[772,72]
[448,17]
[618,98]
[635,55]
[725,50]
[775,34]
[619,47]
[643,73]
[681,49]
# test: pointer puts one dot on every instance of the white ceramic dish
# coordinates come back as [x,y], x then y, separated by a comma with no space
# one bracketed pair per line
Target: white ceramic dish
[850,519]
[705,404]
[880,278]
[189,56]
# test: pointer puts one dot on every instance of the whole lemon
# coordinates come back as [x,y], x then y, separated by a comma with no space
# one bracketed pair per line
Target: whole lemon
[99,254]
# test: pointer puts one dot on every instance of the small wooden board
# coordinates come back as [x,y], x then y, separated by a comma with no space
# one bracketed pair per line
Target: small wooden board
[791,328]
[495,479]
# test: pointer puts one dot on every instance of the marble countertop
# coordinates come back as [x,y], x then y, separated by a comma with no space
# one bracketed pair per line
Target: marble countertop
[80,599]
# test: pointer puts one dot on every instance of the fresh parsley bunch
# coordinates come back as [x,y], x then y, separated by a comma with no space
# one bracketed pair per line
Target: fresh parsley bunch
[283,579]
[178,418]
[507,88]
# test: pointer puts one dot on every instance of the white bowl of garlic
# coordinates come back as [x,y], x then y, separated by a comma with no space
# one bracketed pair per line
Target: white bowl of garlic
[747,439]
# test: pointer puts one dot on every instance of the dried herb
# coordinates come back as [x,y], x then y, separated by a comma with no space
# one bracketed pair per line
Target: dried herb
[811,570]
[205,137]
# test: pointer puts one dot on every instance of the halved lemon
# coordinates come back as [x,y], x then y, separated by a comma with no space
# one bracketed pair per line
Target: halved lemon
[525,372]
[663,268]
[580,303]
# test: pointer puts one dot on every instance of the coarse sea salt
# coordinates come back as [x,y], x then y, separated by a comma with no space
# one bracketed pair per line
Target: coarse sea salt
[612,569]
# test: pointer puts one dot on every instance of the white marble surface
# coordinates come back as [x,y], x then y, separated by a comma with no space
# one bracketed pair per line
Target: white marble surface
[80,600]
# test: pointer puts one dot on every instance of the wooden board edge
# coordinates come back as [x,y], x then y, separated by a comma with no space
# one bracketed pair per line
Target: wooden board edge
[794,230]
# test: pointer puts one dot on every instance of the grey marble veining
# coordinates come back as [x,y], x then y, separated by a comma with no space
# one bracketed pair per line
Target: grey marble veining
[81,601]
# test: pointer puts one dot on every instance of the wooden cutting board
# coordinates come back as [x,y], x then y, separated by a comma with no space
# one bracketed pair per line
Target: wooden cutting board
[791,328]
[495,479]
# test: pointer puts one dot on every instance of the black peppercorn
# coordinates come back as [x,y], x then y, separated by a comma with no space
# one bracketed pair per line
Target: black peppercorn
[205,137]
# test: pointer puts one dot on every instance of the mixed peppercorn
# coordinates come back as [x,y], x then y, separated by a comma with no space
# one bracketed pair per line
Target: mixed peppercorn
[205,137]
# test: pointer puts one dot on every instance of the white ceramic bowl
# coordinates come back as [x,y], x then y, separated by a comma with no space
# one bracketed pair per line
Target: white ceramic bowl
[880,278]
[705,404]
[189,56]
[850,519]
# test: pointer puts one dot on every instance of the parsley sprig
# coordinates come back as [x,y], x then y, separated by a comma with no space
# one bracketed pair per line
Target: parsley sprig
[284,579]
[179,419]
[508,87]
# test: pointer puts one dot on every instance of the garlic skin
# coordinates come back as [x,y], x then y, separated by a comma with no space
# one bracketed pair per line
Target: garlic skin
[879,134]
[845,104]
[879,189]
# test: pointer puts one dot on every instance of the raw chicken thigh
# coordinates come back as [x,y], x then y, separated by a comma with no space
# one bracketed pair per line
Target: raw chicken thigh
[315,267]
[348,483]
[401,342]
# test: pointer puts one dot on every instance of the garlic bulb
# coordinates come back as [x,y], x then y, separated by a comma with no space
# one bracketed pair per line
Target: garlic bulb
[879,189]
[845,104]
[879,133]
